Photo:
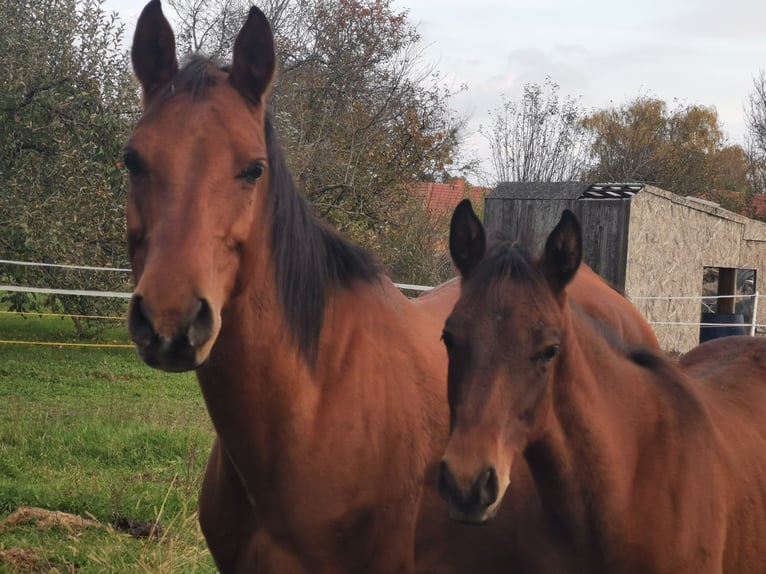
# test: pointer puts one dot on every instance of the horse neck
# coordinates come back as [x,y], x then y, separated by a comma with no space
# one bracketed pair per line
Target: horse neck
[603,412]
[266,399]
[253,368]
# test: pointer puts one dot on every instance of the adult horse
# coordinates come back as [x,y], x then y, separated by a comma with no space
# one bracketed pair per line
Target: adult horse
[326,386]
[644,465]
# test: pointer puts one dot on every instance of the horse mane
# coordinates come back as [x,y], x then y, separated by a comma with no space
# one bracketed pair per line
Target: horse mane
[505,258]
[310,259]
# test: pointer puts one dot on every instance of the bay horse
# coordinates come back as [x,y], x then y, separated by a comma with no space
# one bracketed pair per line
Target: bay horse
[643,465]
[326,386]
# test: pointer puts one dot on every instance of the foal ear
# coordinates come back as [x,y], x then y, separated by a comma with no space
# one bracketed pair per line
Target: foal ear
[467,241]
[154,50]
[254,60]
[563,251]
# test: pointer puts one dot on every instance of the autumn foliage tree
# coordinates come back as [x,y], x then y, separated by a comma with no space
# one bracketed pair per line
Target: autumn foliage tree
[682,150]
[361,116]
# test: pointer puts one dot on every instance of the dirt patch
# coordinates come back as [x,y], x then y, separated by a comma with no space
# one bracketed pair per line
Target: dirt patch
[138,528]
[45,519]
[23,560]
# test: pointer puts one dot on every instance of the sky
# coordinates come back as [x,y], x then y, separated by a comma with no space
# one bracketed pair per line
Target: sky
[602,52]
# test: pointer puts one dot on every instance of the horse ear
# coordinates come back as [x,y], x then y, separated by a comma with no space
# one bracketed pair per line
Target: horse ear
[563,251]
[254,60]
[467,241]
[154,50]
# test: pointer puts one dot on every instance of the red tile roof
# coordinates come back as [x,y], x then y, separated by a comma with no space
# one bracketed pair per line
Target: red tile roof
[759,204]
[754,206]
[442,198]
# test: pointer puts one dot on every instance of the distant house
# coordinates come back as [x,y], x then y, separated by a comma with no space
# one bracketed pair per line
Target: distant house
[440,199]
[759,205]
[752,206]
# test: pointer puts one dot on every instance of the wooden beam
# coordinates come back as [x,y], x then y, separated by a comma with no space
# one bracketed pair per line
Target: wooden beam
[727,285]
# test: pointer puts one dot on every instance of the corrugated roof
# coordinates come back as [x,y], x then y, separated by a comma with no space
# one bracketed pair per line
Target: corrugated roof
[612,190]
[564,190]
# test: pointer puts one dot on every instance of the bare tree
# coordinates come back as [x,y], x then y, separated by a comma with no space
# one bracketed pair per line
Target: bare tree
[755,140]
[210,26]
[540,138]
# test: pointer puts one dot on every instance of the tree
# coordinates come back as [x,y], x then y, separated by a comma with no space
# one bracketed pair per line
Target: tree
[682,150]
[755,116]
[67,101]
[539,139]
[360,115]
[209,27]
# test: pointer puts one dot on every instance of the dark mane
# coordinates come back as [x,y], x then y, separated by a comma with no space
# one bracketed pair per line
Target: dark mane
[505,259]
[311,260]
[192,78]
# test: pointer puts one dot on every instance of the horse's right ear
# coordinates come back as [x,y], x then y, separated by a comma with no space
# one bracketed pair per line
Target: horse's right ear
[563,252]
[467,240]
[154,50]
[254,60]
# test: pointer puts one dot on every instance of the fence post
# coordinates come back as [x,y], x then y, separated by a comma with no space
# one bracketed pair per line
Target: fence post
[754,319]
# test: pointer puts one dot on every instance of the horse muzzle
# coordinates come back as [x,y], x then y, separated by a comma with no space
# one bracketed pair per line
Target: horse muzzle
[172,341]
[476,501]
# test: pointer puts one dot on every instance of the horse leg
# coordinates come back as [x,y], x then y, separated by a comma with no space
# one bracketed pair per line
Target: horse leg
[226,516]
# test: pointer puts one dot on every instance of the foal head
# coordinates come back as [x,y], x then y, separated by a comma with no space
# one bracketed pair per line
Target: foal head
[503,340]
[198,164]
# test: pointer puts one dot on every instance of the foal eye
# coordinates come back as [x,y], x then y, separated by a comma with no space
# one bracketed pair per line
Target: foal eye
[251,173]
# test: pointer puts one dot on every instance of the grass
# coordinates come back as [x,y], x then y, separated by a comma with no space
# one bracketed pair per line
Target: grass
[95,433]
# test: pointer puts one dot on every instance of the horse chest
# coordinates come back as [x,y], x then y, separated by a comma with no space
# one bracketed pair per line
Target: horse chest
[323,541]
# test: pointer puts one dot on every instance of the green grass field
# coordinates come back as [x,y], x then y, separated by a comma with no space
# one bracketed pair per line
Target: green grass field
[95,433]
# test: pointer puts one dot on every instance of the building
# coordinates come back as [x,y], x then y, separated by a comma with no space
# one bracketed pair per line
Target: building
[660,248]
[440,199]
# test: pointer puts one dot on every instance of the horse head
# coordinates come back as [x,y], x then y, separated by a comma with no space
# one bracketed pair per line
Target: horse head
[502,339]
[199,175]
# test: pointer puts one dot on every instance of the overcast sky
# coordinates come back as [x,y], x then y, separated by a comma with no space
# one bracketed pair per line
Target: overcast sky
[602,51]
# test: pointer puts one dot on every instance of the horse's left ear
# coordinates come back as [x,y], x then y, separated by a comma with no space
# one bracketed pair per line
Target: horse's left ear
[563,251]
[154,50]
[467,240]
[255,60]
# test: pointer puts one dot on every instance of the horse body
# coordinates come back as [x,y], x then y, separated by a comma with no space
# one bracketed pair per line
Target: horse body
[327,486]
[602,302]
[730,372]
[645,466]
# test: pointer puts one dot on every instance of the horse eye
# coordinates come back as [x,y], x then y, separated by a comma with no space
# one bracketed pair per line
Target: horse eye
[252,173]
[548,354]
[132,162]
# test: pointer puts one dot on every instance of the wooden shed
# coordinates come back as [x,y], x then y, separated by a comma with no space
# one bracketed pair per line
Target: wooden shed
[660,248]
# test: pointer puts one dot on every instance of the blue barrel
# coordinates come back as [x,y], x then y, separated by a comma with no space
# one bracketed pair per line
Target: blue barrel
[732,324]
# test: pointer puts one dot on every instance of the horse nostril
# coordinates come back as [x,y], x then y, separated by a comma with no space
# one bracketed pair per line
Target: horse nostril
[201,327]
[489,488]
[446,482]
[139,325]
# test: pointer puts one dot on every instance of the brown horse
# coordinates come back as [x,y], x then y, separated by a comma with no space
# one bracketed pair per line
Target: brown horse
[643,465]
[326,386]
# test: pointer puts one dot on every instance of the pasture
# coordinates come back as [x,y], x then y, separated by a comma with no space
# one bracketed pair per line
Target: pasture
[95,433]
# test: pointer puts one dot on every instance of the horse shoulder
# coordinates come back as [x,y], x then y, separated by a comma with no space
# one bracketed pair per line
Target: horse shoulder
[603,302]
[438,302]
